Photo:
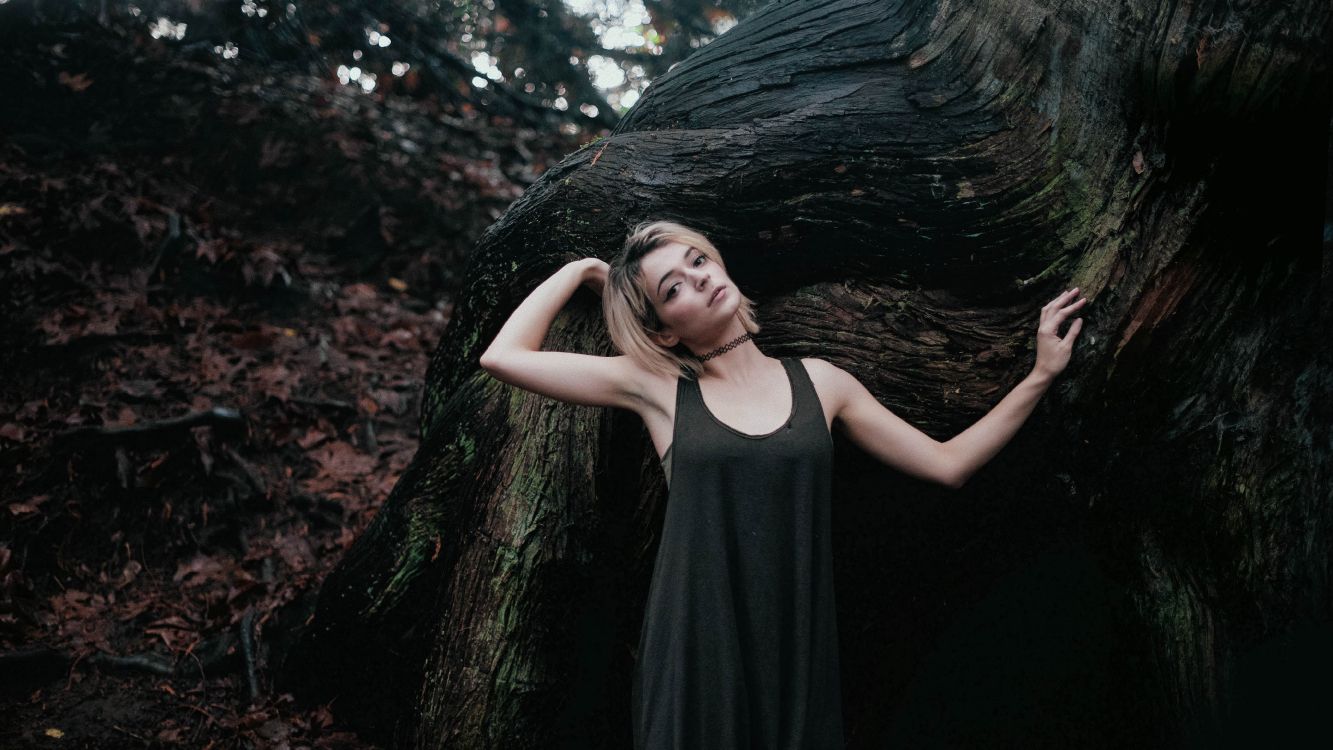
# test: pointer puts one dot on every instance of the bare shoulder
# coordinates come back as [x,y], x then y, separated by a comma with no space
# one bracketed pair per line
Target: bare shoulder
[824,372]
[818,367]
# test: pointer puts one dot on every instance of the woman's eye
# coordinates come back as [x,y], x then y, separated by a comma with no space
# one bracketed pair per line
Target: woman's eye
[698,258]
[671,291]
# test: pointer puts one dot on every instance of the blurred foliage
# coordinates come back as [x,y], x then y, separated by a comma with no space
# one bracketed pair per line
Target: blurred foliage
[533,58]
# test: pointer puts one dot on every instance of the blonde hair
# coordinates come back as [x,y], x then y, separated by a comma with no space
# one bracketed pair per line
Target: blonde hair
[630,315]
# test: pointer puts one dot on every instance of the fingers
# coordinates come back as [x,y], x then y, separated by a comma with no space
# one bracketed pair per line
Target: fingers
[1072,333]
[1055,311]
[1063,296]
[1058,301]
[1064,312]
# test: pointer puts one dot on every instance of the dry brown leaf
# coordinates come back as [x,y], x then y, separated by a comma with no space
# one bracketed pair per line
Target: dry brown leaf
[76,83]
[342,461]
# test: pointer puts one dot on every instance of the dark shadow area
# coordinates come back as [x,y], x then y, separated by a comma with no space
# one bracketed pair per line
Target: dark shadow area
[1032,664]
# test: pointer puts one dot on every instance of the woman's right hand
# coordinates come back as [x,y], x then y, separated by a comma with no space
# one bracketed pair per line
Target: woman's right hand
[594,273]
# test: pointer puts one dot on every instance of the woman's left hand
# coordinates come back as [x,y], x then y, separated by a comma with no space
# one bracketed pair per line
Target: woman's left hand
[1052,350]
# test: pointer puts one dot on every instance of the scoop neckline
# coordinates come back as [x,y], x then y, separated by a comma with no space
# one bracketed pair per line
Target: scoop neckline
[791,385]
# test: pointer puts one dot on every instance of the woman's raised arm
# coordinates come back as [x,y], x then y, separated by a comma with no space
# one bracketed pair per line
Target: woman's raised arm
[878,431]
[515,356]
[976,445]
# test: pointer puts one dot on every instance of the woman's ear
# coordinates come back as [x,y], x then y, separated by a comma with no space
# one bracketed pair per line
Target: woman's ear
[665,339]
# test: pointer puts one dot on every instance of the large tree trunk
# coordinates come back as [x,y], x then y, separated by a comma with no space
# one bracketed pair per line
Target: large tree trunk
[901,186]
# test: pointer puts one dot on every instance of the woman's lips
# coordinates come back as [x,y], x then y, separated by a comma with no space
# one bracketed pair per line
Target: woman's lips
[716,293]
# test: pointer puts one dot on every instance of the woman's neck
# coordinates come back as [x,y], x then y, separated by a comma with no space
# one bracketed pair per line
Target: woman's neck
[742,364]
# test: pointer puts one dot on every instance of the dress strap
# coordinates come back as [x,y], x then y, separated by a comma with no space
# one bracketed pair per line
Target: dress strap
[803,389]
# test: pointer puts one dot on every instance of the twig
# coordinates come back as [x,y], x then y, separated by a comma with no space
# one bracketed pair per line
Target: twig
[119,728]
[323,402]
[151,663]
[29,665]
[169,244]
[248,653]
[213,651]
[148,433]
[250,472]
[211,721]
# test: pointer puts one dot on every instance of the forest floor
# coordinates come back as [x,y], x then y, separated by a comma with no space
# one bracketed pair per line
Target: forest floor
[220,288]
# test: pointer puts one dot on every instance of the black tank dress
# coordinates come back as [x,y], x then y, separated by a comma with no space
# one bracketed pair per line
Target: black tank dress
[739,646]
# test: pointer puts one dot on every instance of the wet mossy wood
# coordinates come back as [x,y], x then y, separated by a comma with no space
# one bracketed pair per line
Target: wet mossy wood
[901,186]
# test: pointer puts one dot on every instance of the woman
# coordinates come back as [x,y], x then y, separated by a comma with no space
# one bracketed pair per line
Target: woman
[739,641]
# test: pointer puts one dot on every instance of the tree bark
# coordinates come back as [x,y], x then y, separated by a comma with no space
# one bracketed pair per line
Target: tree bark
[901,186]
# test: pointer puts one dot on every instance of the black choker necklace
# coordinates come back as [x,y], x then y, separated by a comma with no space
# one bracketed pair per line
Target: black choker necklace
[727,346]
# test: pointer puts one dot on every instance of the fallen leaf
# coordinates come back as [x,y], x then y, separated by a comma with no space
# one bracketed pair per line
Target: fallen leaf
[342,461]
[76,83]
[128,574]
[141,389]
[198,570]
[276,381]
[312,438]
[400,339]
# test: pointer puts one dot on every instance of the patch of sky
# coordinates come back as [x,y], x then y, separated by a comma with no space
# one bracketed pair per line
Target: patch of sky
[165,28]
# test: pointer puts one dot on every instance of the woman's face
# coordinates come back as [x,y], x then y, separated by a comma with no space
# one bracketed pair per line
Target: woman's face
[682,282]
